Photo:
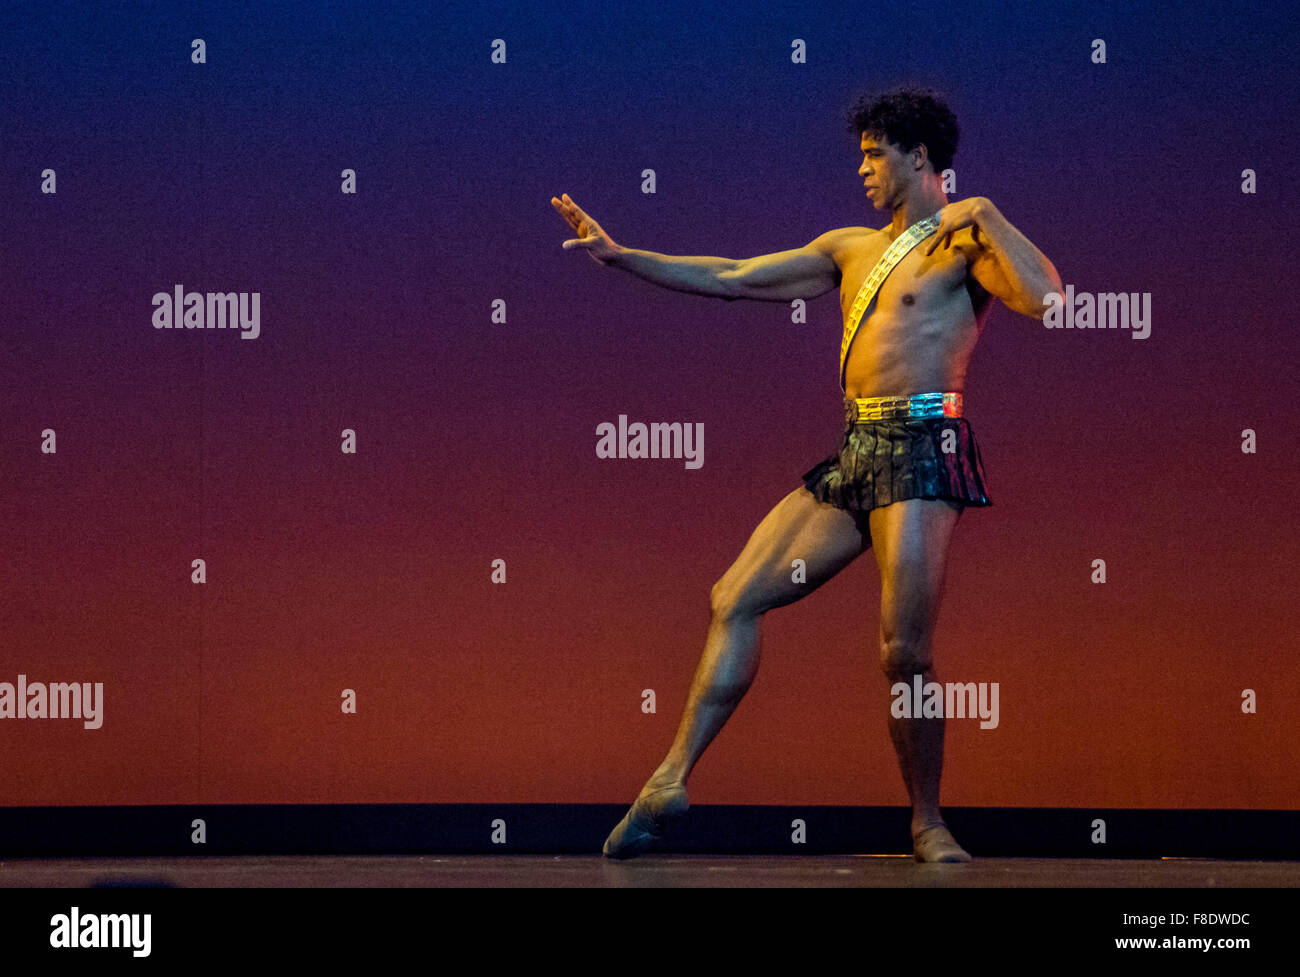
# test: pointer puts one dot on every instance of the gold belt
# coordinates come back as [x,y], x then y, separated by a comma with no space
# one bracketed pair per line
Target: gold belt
[917,405]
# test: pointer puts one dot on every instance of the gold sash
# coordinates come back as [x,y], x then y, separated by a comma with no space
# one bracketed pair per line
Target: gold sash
[902,244]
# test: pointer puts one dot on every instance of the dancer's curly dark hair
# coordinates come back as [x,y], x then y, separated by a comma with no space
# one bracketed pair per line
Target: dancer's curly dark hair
[908,117]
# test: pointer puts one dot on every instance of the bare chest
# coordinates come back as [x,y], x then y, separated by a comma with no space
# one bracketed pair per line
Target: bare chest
[919,285]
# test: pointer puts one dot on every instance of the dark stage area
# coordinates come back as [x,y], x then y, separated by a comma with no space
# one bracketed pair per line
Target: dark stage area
[653,870]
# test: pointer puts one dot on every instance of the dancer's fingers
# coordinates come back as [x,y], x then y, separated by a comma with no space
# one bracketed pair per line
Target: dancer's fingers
[565,212]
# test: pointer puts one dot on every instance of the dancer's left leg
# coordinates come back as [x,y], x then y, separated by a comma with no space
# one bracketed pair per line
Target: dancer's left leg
[910,539]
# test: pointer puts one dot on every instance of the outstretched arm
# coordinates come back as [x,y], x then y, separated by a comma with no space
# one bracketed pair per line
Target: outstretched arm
[800,273]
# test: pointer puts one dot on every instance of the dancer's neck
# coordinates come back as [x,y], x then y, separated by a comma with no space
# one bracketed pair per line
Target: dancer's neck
[916,207]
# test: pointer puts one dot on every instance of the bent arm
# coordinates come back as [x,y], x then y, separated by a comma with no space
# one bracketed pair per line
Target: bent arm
[799,273]
[1010,267]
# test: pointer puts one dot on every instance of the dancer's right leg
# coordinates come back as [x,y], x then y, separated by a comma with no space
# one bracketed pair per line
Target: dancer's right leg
[827,539]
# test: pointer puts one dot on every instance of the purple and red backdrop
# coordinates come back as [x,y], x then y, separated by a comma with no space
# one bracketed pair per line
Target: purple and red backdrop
[476,439]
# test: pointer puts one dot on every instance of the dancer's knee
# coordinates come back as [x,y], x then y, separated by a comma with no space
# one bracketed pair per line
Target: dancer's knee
[902,657]
[728,601]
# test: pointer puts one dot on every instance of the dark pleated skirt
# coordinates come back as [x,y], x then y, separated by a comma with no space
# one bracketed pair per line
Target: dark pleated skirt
[880,462]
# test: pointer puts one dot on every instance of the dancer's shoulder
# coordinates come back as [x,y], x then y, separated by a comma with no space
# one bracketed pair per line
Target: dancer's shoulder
[840,240]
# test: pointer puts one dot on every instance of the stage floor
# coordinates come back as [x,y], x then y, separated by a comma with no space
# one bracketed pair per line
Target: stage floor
[653,870]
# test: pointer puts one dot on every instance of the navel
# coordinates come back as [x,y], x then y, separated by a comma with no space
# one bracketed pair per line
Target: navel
[909,299]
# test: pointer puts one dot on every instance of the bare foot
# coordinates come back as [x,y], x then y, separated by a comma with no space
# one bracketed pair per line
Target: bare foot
[936,844]
[646,821]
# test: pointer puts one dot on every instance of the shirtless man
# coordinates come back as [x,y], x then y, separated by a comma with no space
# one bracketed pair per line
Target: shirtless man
[907,466]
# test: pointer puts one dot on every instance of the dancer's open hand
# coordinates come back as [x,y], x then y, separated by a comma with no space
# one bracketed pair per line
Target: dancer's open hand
[598,245]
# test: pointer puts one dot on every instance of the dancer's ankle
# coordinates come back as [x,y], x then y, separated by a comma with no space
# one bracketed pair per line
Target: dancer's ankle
[921,823]
[666,777]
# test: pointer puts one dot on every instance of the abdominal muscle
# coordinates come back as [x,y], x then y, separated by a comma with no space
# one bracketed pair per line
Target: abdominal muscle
[909,347]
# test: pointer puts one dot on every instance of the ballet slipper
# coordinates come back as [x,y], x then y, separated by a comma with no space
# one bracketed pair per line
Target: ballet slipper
[936,844]
[646,821]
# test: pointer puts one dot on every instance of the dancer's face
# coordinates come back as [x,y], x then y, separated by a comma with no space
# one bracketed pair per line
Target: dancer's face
[884,169]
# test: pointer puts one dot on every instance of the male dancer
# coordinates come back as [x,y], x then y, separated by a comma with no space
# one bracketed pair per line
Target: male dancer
[908,463]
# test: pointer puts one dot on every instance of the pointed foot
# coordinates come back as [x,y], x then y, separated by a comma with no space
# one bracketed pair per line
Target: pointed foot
[645,823]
